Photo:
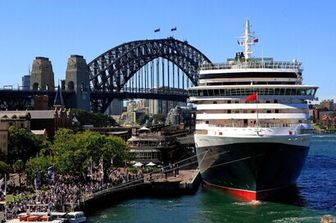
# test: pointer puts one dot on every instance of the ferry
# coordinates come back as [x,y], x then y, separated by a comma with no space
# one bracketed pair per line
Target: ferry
[253,128]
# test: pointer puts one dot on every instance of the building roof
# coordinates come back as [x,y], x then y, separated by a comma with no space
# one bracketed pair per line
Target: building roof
[42,132]
[14,114]
[42,114]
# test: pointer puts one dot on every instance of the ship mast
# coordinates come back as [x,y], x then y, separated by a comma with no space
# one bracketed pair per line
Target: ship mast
[248,40]
[248,50]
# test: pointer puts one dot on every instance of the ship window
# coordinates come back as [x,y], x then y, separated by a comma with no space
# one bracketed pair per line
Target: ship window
[276,111]
[269,111]
[215,102]
[216,92]
[229,111]
[229,101]
[309,91]
[206,93]
[267,101]
[275,101]
[206,122]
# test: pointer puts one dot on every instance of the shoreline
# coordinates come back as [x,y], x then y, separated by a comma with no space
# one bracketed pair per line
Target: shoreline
[171,186]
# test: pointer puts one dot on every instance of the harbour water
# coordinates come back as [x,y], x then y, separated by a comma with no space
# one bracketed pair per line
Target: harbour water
[314,196]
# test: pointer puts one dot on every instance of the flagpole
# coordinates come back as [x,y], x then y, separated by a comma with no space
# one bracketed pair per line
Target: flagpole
[257,121]
[5,193]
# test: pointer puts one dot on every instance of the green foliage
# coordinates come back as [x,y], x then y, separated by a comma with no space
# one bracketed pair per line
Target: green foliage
[95,119]
[159,118]
[71,152]
[22,144]
[39,163]
[4,167]
[18,166]
[143,118]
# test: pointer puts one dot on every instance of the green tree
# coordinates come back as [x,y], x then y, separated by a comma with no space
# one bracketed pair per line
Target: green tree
[40,163]
[95,119]
[22,144]
[159,118]
[72,151]
[4,167]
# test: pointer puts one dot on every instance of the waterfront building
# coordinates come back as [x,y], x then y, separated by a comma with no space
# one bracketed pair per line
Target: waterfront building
[158,144]
[4,137]
[51,120]
[327,105]
[19,119]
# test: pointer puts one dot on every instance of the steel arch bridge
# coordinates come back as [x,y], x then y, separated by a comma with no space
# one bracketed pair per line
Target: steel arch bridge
[109,72]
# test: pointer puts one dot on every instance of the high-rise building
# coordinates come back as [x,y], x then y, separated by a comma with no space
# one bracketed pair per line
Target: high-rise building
[115,108]
[26,82]
[157,106]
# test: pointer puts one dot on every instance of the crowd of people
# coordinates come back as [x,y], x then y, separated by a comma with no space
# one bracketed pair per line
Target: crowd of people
[67,192]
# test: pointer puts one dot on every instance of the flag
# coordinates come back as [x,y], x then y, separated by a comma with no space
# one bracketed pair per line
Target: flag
[173,29]
[241,43]
[89,166]
[252,97]
[256,40]
[37,180]
[157,30]
[2,184]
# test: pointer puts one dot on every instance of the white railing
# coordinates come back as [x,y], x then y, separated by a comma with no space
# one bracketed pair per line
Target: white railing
[253,64]
[261,125]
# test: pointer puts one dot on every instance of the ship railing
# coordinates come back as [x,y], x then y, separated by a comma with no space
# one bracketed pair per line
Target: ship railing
[260,125]
[253,64]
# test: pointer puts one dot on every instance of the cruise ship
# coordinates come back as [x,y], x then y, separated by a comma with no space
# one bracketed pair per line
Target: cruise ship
[253,128]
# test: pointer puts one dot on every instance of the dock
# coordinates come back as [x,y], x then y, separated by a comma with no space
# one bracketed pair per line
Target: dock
[170,183]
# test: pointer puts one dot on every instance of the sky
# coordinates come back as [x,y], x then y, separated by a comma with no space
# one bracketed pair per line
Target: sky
[287,30]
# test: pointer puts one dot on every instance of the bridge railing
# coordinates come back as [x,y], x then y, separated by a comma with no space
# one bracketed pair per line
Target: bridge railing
[155,90]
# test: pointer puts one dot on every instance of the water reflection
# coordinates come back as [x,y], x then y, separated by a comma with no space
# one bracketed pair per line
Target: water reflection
[287,205]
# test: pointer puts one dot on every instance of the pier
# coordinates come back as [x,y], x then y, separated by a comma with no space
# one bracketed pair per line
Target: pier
[168,183]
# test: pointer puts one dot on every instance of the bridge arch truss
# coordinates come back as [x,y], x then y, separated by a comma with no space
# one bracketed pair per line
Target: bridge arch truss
[110,72]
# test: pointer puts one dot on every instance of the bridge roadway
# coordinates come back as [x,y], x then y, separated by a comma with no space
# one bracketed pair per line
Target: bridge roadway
[13,99]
